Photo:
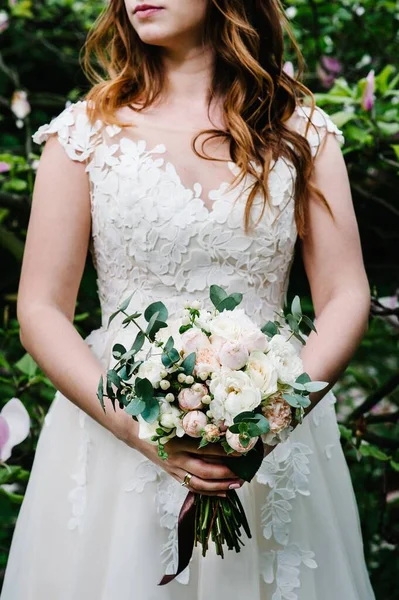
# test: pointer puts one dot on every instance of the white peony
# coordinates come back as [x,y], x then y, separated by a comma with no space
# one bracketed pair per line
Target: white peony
[285,358]
[233,393]
[193,340]
[236,326]
[233,355]
[151,370]
[263,373]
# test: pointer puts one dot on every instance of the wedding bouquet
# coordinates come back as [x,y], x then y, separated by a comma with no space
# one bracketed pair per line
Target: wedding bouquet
[214,375]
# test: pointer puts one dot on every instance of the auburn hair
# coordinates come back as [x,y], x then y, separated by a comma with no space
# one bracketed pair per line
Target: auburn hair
[258,95]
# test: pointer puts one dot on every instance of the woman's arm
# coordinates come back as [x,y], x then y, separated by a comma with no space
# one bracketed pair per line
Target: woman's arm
[333,262]
[54,259]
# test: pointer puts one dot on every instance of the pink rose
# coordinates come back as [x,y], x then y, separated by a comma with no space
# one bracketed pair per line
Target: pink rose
[233,440]
[278,413]
[193,340]
[233,355]
[194,422]
[190,398]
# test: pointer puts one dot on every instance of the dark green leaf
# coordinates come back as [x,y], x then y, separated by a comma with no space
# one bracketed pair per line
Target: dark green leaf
[217,294]
[170,358]
[230,302]
[118,350]
[169,344]
[309,323]
[135,407]
[151,411]
[188,363]
[158,307]
[184,328]
[144,388]
[100,392]
[269,329]
[138,342]
[246,466]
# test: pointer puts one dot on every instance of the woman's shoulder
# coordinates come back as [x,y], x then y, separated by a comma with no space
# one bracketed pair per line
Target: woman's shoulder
[73,129]
[314,124]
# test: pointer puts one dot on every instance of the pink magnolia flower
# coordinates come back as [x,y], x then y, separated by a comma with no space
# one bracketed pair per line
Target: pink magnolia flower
[368,94]
[4,21]
[194,422]
[20,105]
[14,427]
[288,68]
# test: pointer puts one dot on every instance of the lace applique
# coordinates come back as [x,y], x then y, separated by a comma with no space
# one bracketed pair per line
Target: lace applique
[286,472]
[74,131]
[282,567]
[169,498]
[321,124]
[78,495]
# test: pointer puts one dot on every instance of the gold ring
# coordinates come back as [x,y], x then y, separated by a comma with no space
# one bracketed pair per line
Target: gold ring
[187,479]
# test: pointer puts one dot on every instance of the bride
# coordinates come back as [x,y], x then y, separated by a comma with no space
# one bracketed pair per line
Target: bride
[194,162]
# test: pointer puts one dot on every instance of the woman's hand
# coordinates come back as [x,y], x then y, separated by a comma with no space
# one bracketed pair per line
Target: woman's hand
[210,476]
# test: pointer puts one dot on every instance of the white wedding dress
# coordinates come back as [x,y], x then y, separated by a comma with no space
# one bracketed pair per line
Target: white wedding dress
[98,521]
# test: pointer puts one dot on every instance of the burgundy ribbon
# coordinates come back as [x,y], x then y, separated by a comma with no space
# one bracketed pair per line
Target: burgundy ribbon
[185,536]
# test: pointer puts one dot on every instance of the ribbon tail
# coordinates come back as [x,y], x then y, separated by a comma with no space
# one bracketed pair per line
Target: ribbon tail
[185,536]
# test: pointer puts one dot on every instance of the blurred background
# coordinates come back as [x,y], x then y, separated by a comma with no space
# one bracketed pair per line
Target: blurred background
[351,53]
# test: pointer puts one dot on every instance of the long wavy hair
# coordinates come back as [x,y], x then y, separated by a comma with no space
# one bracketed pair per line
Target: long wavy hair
[258,95]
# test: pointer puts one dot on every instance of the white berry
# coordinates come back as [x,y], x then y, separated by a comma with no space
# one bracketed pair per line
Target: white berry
[206,399]
[163,374]
[196,304]
[203,375]
[164,384]
[189,379]
[209,414]
[181,378]
[169,397]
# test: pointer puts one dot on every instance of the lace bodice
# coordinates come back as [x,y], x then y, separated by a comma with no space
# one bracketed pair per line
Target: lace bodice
[154,235]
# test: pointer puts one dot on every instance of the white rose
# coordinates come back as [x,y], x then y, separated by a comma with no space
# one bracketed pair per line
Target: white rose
[193,340]
[262,371]
[233,393]
[236,326]
[285,358]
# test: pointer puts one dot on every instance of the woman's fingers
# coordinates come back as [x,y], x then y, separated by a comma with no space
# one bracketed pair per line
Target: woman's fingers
[205,470]
[209,487]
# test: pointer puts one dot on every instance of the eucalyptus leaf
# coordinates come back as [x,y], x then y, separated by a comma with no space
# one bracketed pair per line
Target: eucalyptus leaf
[135,407]
[100,392]
[143,388]
[217,294]
[156,307]
[118,351]
[315,386]
[151,411]
[125,303]
[188,363]
[309,323]
[270,329]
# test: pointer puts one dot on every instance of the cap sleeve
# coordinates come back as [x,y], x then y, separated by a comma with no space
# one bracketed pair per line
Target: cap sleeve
[73,130]
[320,125]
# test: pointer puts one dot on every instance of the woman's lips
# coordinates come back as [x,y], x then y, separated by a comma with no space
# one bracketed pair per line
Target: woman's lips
[143,13]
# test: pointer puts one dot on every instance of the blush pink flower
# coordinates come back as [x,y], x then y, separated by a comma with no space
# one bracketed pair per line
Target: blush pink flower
[233,440]
[194,340]
[278,413]
[206,361]
[14,427]
[194,422]
[368,94]
[191,399]
[233,355]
